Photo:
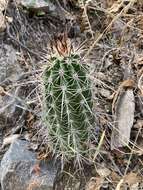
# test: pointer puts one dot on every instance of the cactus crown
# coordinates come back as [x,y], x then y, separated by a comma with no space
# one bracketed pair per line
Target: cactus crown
[68,104]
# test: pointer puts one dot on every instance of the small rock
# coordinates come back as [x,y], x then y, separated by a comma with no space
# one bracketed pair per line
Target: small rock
[100,76]
[9,111]
[20,169]
[105,93]
[37,4]
[103,172]
[45,6]
[8,64]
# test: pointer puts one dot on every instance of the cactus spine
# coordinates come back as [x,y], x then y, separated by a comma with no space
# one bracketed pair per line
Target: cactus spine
[68,105]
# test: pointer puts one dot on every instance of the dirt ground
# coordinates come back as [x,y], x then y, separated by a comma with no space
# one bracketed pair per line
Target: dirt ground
[109,37]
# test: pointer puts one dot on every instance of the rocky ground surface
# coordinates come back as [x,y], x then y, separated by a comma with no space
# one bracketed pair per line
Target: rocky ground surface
[109,35]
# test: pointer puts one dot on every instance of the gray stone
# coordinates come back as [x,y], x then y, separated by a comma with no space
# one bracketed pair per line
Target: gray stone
[46,6]
[5,104]
[9,68]
[9,112]
[37,4]
[105,93]
[18,169]
[100,76]
[10,71]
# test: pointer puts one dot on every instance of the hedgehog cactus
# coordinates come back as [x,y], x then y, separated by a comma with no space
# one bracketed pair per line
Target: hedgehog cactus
[68,104]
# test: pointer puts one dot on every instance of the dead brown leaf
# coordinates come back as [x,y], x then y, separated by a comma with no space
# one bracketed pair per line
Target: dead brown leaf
[129,83]
[131,179]
[115,177]
[124,117]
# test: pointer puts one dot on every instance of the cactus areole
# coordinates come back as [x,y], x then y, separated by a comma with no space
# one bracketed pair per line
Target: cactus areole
[68,105]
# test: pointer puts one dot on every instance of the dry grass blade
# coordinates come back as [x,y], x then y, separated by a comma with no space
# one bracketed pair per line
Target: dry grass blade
[124,10]
[118,187]
[99,145]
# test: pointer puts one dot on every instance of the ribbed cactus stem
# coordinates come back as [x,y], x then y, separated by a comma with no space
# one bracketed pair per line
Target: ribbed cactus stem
[68,105]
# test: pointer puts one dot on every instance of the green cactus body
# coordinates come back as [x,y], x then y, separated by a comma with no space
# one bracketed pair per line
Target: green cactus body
[68,104]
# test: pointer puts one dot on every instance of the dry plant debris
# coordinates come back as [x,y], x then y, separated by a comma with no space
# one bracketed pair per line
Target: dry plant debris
[115,42]
[124,118]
